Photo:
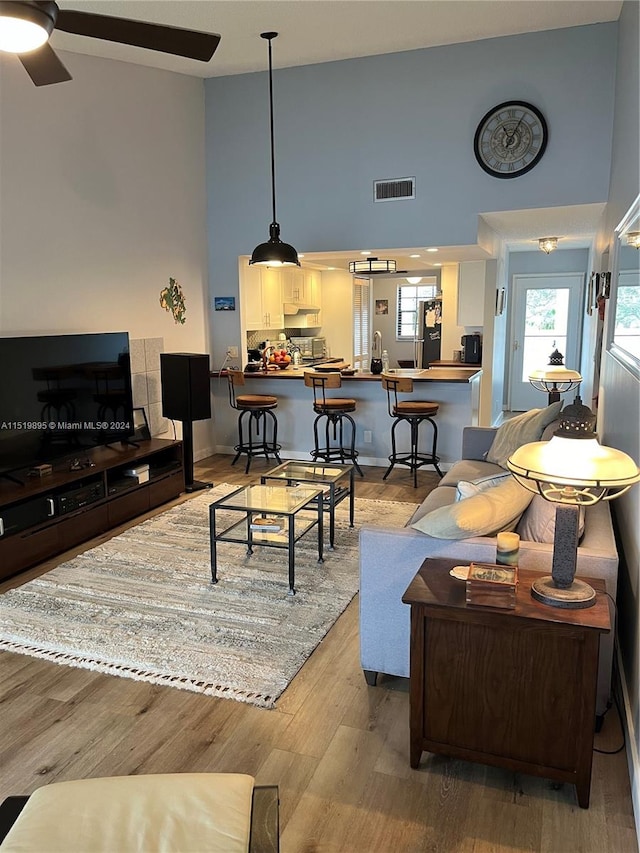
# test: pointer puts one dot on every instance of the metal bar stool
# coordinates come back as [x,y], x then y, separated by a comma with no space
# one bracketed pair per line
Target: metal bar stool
[414,412]
[335,410]
[254,408]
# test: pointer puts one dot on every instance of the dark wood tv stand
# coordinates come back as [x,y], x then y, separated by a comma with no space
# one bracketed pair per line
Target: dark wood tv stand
[46,515]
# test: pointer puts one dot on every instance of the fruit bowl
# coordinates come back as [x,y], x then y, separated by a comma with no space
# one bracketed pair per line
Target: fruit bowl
[283,364]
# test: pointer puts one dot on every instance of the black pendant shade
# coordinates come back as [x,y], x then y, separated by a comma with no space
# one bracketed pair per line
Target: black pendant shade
[273,253]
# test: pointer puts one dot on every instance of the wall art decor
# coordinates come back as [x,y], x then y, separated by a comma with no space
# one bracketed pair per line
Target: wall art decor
[224,303]
[172,299]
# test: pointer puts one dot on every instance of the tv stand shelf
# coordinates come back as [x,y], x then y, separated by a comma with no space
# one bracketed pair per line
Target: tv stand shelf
[43,516]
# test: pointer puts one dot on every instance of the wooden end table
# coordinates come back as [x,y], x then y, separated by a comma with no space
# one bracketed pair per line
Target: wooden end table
[511,688]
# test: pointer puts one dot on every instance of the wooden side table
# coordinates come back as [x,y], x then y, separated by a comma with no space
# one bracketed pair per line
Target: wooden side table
[510,688]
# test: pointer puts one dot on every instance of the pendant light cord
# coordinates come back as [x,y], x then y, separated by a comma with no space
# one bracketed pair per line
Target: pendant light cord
[269,37]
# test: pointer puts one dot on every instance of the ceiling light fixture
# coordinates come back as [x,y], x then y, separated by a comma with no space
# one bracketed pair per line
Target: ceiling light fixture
[25,27]
[372,265]
[274,253]
[414,279]
[432,249]
[367,252]
[548,244]
[633,239]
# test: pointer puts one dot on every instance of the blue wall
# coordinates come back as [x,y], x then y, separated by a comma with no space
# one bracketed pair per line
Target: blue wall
[341,125]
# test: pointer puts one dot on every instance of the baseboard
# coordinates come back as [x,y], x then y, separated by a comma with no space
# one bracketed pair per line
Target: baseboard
[631,735]
[199,455]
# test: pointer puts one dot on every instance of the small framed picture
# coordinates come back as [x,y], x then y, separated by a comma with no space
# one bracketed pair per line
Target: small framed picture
[382,306]
[140,425]
[224,303]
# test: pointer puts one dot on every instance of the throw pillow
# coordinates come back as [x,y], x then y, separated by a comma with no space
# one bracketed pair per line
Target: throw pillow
[520,430]
[469,488]
[486,514]
[538,522]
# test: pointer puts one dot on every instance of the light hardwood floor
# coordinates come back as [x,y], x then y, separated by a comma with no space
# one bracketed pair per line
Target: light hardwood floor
[337,749]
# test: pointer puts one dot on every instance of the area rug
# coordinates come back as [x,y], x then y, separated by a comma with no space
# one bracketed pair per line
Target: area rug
[142,606]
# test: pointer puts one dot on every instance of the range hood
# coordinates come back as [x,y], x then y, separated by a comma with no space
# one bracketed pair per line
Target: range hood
[290,308]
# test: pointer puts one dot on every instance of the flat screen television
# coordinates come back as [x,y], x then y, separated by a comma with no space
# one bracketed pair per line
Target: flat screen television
[61,395]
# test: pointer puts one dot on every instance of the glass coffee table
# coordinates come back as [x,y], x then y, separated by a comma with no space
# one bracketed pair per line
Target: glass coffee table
[269,517]
[337,482]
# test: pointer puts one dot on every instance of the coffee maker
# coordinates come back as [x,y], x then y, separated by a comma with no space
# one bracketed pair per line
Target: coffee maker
[471,348]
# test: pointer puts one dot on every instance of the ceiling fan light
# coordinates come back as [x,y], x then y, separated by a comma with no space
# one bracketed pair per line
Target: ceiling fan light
[24,28]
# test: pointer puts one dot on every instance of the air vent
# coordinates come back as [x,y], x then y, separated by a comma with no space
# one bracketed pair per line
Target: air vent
[395,190]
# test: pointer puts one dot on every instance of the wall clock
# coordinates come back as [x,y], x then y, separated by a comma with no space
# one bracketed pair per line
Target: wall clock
[510,139]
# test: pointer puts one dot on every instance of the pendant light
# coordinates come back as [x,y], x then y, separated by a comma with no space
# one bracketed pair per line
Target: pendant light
[274,253]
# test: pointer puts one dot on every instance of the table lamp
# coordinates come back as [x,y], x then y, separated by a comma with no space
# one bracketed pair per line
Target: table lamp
[572,470]
[555,378]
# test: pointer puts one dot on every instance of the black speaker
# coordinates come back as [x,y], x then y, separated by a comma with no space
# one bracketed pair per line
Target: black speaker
[186,386]
[186,397]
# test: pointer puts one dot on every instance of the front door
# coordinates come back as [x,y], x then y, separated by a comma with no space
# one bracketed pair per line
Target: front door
[546,314]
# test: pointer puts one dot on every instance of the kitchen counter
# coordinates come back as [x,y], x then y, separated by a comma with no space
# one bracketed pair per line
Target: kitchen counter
[456,391]
[432,374]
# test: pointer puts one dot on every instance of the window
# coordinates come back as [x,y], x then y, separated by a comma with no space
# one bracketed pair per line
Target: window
[409,295]
[624,308]
[361,321]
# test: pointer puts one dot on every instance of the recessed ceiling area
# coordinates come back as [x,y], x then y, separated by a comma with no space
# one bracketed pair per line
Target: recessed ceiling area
[575,226]
[313,31]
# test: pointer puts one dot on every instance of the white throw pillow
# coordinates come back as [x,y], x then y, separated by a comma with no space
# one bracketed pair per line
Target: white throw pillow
[538,522]
[469,488]
[519,430]
[486,514]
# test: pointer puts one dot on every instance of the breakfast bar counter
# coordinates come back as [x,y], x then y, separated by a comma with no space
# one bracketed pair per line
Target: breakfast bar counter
[455,389]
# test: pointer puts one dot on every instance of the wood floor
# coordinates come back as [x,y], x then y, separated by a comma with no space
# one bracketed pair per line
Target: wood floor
[337,749]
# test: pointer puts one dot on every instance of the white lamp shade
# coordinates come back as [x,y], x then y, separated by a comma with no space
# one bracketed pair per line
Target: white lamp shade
[573,470]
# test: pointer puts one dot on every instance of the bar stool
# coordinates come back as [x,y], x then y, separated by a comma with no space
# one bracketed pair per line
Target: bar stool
[335,410]
[255,408]
[414,412]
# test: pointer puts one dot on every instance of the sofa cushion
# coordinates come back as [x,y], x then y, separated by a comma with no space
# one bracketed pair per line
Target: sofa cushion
[538,522]
[469,470]
[467,489]
[519,430]
[441,496]
[485,514]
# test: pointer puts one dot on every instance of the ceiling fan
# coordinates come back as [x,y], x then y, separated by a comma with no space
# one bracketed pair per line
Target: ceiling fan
[25,27]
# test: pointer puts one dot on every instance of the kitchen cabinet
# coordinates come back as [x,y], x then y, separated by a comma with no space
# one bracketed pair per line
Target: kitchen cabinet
[302,287]
[471,285]
[261,298]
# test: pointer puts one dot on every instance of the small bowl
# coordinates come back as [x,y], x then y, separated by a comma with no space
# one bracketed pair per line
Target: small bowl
[348,371]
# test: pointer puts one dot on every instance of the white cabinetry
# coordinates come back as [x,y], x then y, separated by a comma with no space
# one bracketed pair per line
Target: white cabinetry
[302,287]
[261,298]
[471,284]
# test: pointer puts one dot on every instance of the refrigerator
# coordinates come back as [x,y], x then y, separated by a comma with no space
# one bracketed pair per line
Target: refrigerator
[429,331]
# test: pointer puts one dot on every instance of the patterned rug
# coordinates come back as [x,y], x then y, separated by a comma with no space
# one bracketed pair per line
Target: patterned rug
[142,606]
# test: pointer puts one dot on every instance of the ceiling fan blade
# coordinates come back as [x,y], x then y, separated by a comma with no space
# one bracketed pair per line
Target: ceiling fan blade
[179,42]
[43,66]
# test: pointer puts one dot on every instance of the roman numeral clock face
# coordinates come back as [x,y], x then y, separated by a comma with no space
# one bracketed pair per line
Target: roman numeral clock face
[510,139]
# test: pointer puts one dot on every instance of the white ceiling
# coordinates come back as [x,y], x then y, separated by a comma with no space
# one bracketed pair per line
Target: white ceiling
[313,31]
[324,30]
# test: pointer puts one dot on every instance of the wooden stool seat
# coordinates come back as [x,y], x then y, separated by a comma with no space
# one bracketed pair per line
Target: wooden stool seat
[415,407]
[334,404]
[334,411]
[256,401]
[255,408]
[413,412]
